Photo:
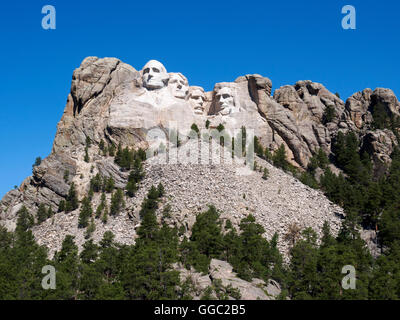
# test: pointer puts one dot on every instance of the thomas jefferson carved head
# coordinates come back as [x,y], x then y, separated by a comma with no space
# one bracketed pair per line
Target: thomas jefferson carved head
[179,85]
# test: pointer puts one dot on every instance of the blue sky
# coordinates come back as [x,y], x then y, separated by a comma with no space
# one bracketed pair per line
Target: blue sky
[208,41]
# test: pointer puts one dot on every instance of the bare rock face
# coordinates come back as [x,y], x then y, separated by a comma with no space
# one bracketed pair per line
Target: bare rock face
[93,86]
[222,272]
[357,109]
[296,115]
[249,291]
[380,145]
[358,117]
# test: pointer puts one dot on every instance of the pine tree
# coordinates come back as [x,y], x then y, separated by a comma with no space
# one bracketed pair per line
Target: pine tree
[61,206]
[111,150]
[258,148]
[117,202]
[104,218]
[86,158]
[279,158]
[96,183]
[25,221]
[109,184]
[329,114]
[37,162]
[303,267]
[50,212]
[67,266]
[85,213]
[160,190]
[101,145]
[41,213]
[72,202]
[265,174]
[90,229]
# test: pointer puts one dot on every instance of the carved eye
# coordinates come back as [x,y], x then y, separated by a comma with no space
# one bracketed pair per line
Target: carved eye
[156,70]
[225,96]
[146,70]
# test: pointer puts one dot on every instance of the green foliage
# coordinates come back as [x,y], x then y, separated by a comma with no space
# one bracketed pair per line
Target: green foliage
[117,202]
[85,213]
[195,128]
[265,174]
[207,124]
[111,150]
[206,241]
[279,158]
[381,116]
[86,157]
[96,183]
[309,180]
[71,202]
[250,254]
[61,206]
[37,162]
[102,145]
[104,218]
[109,184]
[258,148]
[347,158]
[25,220]
[318,160]
[220,127]
[50,212]
[41,213]
[160,190]
[135,176]
[101,207]
[329,114]
[90,229]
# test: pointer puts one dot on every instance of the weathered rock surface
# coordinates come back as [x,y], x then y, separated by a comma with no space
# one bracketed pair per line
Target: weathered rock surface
[222,271]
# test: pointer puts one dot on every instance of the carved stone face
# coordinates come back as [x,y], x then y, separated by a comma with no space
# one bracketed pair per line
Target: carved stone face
[196,99]
[225,101]
[179,85]
[155,75]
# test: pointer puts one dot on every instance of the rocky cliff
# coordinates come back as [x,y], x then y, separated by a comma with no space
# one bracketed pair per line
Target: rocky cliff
[112,103]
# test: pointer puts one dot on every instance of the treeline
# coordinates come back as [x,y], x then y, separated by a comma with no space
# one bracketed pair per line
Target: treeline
[109,270]
[369,202]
